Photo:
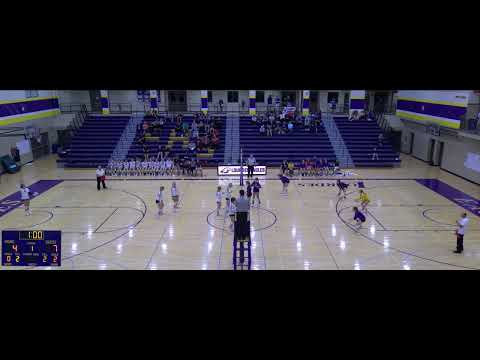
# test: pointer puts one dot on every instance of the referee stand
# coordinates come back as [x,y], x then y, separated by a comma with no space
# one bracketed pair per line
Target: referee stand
[242,249]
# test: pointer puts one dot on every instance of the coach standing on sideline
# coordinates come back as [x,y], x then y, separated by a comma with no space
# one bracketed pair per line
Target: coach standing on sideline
[250,165]
[100,177]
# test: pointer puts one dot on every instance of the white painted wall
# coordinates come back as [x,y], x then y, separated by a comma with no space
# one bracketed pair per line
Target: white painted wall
[20,94]
[74,97]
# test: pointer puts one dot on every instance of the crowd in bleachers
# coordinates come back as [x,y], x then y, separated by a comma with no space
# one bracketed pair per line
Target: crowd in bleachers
[274,123]
[362,115]
[203,132]
[311,167]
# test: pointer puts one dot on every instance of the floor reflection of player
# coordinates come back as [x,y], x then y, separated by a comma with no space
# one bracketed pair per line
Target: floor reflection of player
[358,217]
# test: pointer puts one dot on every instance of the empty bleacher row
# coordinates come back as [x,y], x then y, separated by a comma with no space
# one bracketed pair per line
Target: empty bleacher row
[295,146]
[361,137]
[94,142]
[177,146]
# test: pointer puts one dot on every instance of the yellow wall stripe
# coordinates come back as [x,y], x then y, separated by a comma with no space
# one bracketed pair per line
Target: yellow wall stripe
[451,124]
[27,99]
[435,102]
[28,117]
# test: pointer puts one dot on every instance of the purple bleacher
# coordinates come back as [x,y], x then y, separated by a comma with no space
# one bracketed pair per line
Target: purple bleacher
[95,141]
[361,137]
[136,149]
[296,146]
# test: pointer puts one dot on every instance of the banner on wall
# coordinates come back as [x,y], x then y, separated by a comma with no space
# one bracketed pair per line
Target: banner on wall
[235,170]
[357,100]
[252,97]
[104,102]
[204,101]
[306,103]
[444,108]
[153,100]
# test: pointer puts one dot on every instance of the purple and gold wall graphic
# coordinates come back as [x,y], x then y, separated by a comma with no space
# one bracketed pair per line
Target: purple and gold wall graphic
[444,108]
[306,103]
[252,98]
[357,100]
[21,110]
[153,100]
[204,101]
[104,102]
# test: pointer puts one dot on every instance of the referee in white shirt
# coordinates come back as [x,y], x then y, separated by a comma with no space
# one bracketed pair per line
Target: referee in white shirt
[100,177]
[250,165]
[460,232]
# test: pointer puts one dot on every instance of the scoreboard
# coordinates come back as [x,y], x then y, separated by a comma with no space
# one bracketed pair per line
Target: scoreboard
[31,248]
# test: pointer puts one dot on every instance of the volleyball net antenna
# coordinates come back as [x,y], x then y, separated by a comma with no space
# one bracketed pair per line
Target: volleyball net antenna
[241,167]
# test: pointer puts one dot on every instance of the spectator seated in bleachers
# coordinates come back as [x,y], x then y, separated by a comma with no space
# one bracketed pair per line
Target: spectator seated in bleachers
[262,129]
[290,127]
[371,116]
[363,116]
[353,116]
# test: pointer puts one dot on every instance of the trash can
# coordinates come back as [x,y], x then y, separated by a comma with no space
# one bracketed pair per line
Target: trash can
[54,148]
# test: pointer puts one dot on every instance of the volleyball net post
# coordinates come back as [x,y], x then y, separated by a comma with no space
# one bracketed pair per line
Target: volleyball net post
[241,167]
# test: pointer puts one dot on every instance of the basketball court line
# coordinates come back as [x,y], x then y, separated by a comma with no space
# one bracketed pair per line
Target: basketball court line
[374,218]
[316,226]
[393,248]
[156,248]
[40,223]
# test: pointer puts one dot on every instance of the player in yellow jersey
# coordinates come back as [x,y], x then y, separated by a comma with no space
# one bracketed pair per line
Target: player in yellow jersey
[364,200]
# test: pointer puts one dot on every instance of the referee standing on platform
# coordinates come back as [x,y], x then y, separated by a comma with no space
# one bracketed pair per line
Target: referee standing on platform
[250,165]
[242,224]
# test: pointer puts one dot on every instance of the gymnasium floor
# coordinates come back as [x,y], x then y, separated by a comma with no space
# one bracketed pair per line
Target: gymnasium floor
[409,226]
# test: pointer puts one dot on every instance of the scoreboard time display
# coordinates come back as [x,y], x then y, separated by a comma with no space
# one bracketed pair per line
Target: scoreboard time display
[31,248]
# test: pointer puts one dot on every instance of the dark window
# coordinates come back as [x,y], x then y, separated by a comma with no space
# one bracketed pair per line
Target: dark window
[260,96]
[331,96]
[209,95]
[232,96]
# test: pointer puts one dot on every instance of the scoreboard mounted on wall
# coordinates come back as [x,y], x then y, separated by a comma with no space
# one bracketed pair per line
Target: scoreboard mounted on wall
[31,248]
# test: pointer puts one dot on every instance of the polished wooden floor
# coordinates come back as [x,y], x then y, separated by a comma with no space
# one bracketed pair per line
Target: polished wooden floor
[307,229]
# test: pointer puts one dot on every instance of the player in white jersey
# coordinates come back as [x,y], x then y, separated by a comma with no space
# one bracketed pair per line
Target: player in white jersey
[149,167]
[169,166]
[119,168]
[131,167]
[175,196]
[25,197]
[143,168]
[228,194]
[232,210]
[109,169]
[159,200]
[153,167]
[218,198]
[162,166]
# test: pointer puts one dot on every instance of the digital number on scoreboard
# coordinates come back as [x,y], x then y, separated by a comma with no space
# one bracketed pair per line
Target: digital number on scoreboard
[31,248]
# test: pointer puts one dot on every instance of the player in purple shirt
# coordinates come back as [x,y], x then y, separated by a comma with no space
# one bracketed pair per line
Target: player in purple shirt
[285,181]
[256,191]
[358,217]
